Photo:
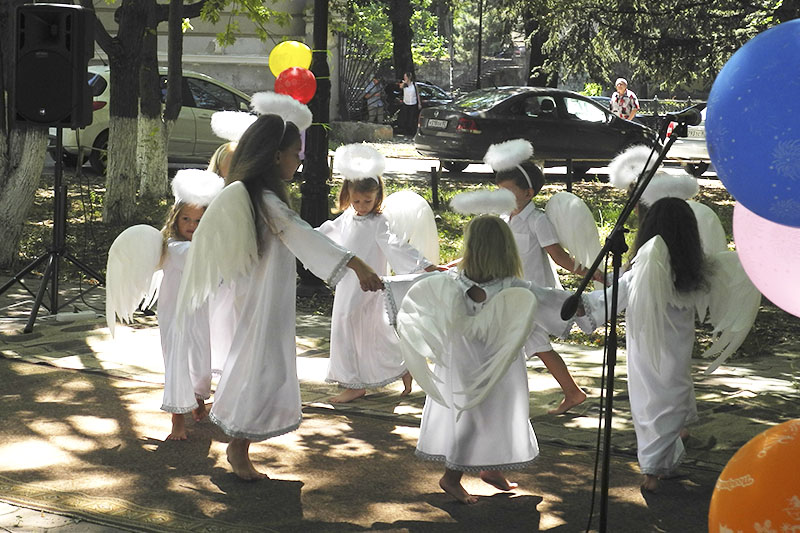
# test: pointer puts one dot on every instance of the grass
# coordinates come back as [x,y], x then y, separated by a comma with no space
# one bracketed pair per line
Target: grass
[88,239]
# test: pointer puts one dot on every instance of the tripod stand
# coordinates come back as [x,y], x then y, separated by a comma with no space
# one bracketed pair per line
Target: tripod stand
[58,250]
[615,244]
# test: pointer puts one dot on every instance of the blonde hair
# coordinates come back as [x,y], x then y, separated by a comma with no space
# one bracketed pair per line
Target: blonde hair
[170,229]
[490,251]
[363,185]
[221,160]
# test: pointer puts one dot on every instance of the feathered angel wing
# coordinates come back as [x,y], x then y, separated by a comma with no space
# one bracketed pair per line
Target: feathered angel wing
[223,247]
[575,227]
[651,289]
[733,305]
[503,325]
[424,324]
[411,218]
[133,261]
[712,235]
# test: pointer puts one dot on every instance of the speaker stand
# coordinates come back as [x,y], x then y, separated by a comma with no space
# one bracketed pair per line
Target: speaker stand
[57,251]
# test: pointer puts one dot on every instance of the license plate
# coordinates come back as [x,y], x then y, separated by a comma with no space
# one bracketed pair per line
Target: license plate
[437,124]
[697,132]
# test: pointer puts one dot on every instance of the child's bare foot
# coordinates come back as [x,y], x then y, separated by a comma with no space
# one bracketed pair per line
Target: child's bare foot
[497,480]
[684,434]
[650,483]
[238,453]
[348,395]
[406,384]
[568,403]
[200,412]
[456,490]
[178,428]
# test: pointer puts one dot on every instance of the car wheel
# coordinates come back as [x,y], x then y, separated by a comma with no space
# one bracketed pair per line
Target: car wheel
[695,169]
[455,166]
[99,156]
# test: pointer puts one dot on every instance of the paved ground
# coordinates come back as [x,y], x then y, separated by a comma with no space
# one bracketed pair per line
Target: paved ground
[735,404]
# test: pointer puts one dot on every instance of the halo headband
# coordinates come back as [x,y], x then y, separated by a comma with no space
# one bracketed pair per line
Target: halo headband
[527,177]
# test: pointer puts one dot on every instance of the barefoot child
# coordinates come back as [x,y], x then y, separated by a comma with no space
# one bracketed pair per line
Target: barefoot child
[536,239]
[364,352]
[251,237]
[670,279]
[472,322]
[193,191]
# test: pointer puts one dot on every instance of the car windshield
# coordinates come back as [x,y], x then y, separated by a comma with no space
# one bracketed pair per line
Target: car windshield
[479,100]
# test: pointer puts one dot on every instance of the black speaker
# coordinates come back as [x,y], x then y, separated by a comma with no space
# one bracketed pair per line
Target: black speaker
[54,43]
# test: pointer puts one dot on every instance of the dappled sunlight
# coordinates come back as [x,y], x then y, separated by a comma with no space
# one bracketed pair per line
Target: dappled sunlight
[31,454]
[410,434]
[94,425]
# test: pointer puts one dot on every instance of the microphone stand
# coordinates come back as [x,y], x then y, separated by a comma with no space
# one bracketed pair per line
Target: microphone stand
[615,244]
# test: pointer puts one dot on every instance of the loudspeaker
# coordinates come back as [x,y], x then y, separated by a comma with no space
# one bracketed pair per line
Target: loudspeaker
[54,43]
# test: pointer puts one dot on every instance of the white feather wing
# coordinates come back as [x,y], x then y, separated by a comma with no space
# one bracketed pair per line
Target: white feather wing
[733,305]
[224,247]
[411,218]
[133,261]
[503,326]
[712,235]
[651,289]
[575,227]
[425,322]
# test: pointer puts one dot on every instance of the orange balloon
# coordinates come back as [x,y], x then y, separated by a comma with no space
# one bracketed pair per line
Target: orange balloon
[759,489]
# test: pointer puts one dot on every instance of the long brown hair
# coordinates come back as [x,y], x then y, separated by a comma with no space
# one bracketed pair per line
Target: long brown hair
[254,161]
[674,221]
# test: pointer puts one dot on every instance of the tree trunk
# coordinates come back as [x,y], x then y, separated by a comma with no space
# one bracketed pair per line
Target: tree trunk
[399,13]
[124,57]
[22,148]
[23,157]
[151,150]
[537,76]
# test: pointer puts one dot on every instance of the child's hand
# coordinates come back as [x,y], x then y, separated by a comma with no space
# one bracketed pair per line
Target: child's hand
[367,277]
[599,277]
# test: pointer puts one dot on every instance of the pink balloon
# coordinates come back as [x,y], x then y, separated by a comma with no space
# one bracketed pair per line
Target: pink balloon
[770,254]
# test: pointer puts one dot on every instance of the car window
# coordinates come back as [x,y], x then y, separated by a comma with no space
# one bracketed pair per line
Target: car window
[583,110]
[97,82]
[209,96]
[476,101]
[429,91]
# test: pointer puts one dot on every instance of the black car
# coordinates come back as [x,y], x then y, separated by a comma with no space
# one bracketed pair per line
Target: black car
[430,94]
[561,125]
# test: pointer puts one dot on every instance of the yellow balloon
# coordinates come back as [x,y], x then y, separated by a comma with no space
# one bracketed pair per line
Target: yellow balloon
[289,54]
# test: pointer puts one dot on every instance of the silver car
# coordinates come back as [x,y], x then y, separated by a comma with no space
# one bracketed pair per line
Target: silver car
[191,140]
[691,151]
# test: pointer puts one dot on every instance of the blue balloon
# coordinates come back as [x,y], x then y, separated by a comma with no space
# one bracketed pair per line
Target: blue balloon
[753,124]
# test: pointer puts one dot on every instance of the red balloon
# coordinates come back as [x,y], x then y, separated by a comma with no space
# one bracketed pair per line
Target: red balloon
[297,82]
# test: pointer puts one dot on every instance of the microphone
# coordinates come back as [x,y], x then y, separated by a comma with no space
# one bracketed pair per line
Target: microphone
[689,116]
[570,307]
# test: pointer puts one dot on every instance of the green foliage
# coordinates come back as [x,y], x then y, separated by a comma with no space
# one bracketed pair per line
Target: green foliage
[592,89]
[367,21]
[254,10]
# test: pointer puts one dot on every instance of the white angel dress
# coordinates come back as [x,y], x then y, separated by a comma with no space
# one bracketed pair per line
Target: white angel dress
[660,335]
[476,416]
[187,354]
[137,271]
[258,396]
[363,347]
[566,221]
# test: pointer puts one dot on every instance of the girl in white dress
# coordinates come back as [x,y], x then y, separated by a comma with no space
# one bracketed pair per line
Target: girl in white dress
[258,396]
[187,358]
[477,418]
[537,242]
[660,333]
[364,352]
